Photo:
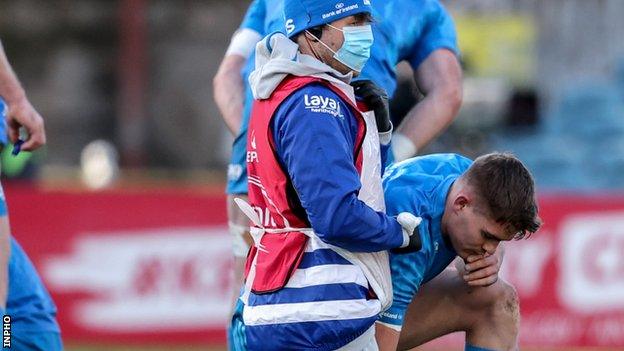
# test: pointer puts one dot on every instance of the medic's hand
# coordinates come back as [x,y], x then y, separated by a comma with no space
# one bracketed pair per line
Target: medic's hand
[480,270]
[411,234]
[377,99]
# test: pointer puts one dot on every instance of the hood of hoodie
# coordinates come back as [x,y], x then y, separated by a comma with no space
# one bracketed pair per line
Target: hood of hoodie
[277,57]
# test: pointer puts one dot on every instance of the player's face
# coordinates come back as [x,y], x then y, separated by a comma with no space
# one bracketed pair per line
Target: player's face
[471,232]
[334,38]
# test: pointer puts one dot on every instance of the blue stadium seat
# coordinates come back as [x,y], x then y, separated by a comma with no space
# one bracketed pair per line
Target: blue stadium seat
[588,111]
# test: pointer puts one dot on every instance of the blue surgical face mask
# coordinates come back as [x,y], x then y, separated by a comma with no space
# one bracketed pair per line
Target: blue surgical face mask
[355,50]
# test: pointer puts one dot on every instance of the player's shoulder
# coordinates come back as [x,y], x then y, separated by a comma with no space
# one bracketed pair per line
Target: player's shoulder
[415,184]
[427,170]
[442,162]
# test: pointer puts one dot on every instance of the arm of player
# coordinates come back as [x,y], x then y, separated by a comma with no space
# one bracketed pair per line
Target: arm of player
[228,86]
[481,270]
[20,111]
[440,78]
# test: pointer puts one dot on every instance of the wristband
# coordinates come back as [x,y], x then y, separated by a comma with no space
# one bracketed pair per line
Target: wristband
[385,137]
[243,42]
[402,147]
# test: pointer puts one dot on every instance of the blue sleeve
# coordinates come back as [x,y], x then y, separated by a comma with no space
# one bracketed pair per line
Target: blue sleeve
[255,16]
[314,133]
[438,33]
[386,156]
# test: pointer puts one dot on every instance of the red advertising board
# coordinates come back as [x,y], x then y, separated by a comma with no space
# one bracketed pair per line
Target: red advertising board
[570,275]
[154,266]
[129,266]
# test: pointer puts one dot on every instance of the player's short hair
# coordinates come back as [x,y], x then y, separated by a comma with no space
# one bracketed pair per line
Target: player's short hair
[507,188]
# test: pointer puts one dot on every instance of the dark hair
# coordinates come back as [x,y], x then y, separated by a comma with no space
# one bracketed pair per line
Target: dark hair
[506,186]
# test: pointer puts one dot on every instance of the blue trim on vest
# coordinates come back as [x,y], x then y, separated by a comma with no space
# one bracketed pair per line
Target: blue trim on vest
[326,292]
[322,257]
[320,336]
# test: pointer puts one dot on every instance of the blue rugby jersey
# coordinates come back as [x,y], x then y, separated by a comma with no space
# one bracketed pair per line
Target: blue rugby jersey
[420,185]
[406,30]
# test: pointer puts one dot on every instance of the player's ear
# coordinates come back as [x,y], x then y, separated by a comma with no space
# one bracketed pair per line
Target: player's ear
[460,202]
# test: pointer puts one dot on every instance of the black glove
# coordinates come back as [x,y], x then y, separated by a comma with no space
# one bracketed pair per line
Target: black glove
[377,99]
[410,224]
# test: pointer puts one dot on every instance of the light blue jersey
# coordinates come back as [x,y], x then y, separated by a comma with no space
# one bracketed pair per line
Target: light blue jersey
[263,17]
[403,30]
[32,311]
[420,185]
[406,30]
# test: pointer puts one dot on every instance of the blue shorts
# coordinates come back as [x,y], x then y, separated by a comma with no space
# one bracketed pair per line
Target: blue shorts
[237,169]
[36,341]
[236,331]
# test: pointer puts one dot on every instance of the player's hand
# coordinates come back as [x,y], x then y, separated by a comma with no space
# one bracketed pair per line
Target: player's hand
[481,270]
[377,99]
[22,114]
[410,224]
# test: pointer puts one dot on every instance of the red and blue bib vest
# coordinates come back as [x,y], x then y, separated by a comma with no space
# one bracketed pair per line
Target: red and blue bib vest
[272,195]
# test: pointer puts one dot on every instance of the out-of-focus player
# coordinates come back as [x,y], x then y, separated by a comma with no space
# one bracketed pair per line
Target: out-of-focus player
[467,208]
[233,97]
[23,296]
[420,32]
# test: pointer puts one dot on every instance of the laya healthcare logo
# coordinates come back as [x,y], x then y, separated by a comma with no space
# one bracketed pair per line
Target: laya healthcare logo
[322,104]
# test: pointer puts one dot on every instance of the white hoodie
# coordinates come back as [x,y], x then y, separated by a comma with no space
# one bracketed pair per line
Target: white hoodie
[277,57]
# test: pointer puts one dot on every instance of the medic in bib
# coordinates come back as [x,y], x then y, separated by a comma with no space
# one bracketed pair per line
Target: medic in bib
[317,275]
